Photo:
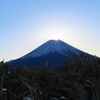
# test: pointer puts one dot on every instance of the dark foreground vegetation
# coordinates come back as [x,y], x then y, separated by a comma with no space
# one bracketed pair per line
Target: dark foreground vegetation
[79,79]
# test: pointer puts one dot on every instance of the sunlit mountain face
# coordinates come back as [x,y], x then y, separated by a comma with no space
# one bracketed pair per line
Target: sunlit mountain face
[53,51]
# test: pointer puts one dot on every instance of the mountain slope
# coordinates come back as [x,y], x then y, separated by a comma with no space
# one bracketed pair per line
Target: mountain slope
[53,46]
[55,52]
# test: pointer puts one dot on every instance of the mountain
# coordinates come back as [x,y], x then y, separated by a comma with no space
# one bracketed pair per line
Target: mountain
[53,51]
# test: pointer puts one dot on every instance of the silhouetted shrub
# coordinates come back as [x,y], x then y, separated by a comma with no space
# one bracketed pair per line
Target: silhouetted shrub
[79,79]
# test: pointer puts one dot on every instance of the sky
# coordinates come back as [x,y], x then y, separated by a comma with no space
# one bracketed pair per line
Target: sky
[26,24]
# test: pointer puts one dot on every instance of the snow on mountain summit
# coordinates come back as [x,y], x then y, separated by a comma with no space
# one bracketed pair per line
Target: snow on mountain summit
[53,51]
[52,46]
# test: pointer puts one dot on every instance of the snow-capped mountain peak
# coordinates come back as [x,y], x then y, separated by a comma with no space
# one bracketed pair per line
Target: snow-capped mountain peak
[53,51]
[52,46]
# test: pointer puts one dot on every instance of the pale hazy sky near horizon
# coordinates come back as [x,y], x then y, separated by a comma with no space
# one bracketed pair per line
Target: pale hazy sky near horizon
[26,24]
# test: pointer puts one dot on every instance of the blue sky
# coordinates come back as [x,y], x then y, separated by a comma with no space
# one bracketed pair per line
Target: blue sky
[26,24]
